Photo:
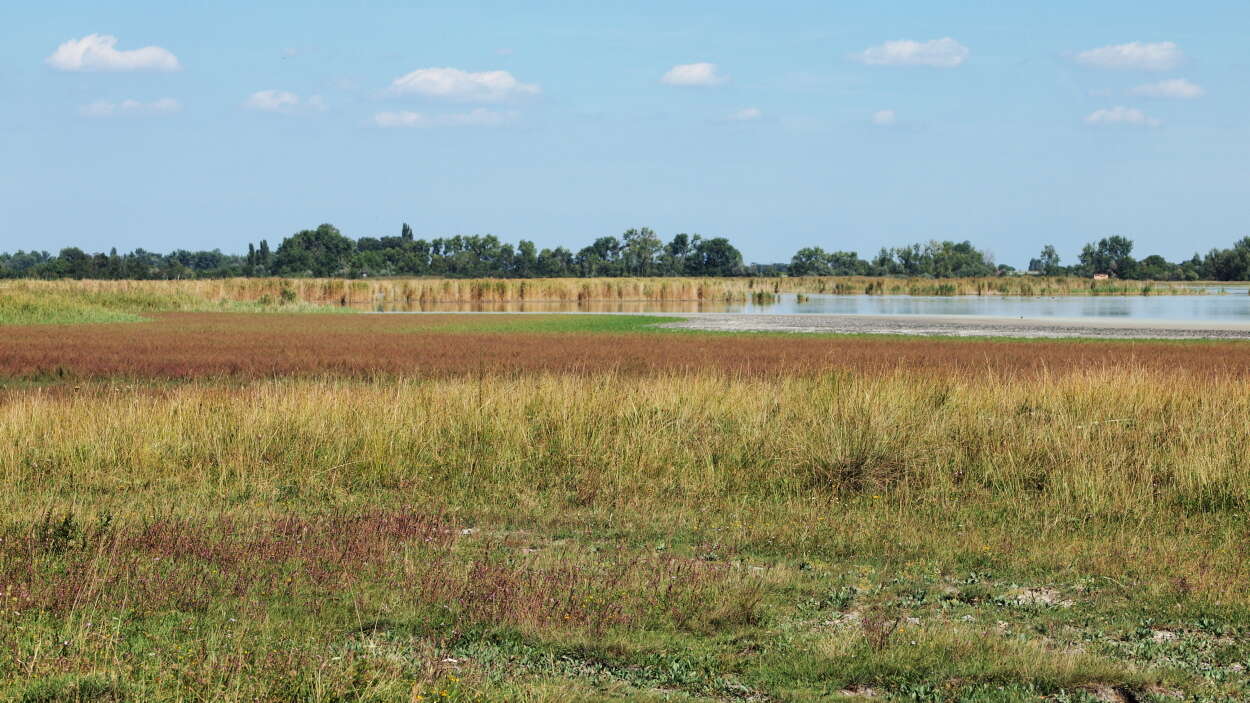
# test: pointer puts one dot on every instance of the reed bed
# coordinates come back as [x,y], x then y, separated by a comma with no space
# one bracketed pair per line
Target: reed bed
[416,293]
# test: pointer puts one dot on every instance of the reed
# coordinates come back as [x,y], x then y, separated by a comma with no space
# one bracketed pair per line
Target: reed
[415,294]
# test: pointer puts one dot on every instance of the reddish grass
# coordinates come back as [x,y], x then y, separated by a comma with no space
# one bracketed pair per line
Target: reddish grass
[184,565]
[197,345]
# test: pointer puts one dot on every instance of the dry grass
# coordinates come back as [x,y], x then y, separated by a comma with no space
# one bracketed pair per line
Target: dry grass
[693,533]
[1119,446]
[419,293]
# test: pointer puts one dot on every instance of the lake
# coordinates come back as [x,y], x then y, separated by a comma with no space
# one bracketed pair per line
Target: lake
[1227,304]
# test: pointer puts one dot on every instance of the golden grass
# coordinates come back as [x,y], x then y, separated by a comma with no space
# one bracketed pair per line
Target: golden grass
[697,533]
[414,294]
[1118,446]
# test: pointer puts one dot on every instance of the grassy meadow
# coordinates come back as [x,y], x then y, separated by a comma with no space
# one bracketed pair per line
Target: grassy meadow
[218,506]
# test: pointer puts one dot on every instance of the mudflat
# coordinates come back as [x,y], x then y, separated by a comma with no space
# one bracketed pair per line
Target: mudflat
[965,326]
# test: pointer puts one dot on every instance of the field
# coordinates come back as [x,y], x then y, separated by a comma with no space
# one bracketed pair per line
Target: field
[255,505]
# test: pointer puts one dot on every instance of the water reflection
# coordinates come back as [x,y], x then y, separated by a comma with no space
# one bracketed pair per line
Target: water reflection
[1232,304]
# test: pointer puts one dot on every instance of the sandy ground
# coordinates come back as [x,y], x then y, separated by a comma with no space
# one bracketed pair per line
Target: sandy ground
[965,326]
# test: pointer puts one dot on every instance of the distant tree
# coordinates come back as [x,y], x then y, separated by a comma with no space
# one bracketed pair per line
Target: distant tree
[556,262]
[810,261]
[1229,264]
[263,255]
[525,263]
[847,263]
[602,258]
[673,257]
[320,252]
[1111,255]
[640,250]
[883,264]
[1047,263]
[714,257]
[405,232]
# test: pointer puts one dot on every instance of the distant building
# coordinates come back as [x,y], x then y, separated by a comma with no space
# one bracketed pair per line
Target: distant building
[1101,277]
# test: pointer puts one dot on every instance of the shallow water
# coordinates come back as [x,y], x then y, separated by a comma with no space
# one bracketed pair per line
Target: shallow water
[1229,304]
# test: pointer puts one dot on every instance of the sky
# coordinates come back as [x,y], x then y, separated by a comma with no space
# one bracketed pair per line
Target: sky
[844,125]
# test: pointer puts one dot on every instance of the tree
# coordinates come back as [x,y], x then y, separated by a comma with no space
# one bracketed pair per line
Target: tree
[320,252]
[641,246]
[405,232]
[602,258]
[1110,256]
[1047,263]
[263,255]
[714,257]
[525,263]
[673,258]
[810,261]
[1229,264]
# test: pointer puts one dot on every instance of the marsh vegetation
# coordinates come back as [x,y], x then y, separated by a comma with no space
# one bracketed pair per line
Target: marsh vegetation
[276,507]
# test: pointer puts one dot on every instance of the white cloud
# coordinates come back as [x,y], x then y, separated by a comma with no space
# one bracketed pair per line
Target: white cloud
[702,73]
[1175,88]
[746,114]
[479,117]
[884,118]
[454,84]
[1161,56]
[283,101]
[105,108]
[97,52]
[1121,115]
[937,53]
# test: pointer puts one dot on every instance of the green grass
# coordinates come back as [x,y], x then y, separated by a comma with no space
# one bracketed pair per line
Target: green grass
[22,304]
[25,309]
[547,323]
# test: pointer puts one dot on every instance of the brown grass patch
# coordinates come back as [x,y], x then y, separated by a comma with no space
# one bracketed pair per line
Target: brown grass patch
[198,345]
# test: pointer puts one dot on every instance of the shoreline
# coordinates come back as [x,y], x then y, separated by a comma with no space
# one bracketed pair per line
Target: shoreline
[963,326]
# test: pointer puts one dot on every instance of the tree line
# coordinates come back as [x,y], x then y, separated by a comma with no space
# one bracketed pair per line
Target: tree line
[326,252]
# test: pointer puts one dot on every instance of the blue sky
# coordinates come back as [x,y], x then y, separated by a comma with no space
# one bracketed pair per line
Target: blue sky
[779,125]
